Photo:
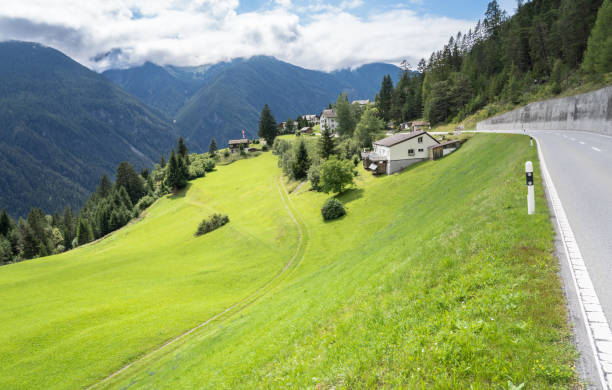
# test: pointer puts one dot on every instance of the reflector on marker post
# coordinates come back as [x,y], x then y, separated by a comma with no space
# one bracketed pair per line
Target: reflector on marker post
[530,194]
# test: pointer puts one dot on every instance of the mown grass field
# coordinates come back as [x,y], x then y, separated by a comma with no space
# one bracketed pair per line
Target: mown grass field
[68,320]
[436,278]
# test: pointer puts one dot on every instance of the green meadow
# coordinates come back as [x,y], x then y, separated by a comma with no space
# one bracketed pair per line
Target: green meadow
[435,278]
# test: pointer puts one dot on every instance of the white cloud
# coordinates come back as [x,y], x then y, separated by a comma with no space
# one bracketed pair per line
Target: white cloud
[194,32]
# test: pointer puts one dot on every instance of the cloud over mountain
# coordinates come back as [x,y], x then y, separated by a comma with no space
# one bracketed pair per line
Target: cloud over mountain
[112,33]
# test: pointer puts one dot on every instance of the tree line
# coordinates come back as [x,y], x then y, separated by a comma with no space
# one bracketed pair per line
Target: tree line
[110,207]
[544,47]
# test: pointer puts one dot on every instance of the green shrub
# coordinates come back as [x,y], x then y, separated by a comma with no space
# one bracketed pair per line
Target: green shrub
[211,223]
[264,148]
[209,164]
[332,209]
[144,202]
[196,169]
[226,153]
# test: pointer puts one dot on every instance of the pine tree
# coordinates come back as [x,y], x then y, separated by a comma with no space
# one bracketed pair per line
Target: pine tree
[182,148]
[384,97]
[84,232]
[267,126]
[5,224]
[130,180]
[212,148]
[176,174]
[68,228]
[162,162]
[30,243]
[326,144]
[183,171]
[302,161]
[105,187]
[598,56]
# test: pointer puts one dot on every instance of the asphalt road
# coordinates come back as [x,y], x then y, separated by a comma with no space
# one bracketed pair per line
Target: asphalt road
[580,165]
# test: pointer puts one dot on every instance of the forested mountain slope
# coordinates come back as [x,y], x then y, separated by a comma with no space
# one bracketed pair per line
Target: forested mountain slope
[62,126]
[232,94]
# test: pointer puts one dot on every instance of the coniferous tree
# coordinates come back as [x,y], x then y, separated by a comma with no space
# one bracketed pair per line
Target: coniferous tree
[182,148]
[212,148]
[267,126]
[84,232]
[130,180]
[30,244]
[176,174]
[302,161]
[68,231]
[598,56]
[384,97]
[184,171]
[326,144]
[162,162]
[105,187]
[182,151]
[5,223]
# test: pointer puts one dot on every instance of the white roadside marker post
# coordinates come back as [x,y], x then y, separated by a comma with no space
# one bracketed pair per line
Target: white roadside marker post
[530,194]
[530,141]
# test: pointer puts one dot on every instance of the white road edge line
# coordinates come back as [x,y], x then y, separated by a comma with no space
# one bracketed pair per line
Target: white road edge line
[597,327]
[581,142]
[595,149]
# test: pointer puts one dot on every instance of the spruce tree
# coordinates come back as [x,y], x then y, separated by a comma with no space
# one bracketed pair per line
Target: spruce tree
[176,178]
[68,228]
[212,148]
[183,170]
[384,97]
[5,224]
[162,162]
[105,187]
[130,180]
[302,161]
[598,56]
[326,144]
[267,126]
[84,232]
[182,148]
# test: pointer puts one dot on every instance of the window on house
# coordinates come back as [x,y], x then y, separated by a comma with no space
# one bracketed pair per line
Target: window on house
[420,150]
[411,152]
[420,140]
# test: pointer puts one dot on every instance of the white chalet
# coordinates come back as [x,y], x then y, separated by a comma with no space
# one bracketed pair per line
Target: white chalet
[398,151]
[329,120]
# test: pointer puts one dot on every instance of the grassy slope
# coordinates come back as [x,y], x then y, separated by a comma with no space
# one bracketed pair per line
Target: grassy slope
[68,320]
[436,278]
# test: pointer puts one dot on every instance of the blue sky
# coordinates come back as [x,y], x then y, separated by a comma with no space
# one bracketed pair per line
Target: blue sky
[471,10]
[315,34]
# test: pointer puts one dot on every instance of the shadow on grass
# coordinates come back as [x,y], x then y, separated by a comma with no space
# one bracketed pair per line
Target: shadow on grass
[180,193]
[350,195]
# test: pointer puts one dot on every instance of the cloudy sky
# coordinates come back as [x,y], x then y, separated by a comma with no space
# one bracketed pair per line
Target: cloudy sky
[318,34]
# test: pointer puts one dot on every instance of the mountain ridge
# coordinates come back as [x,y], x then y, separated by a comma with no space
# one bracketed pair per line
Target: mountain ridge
[231,94]
[63,126]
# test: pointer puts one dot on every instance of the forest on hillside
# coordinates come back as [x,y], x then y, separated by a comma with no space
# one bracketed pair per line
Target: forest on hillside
[547,46]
